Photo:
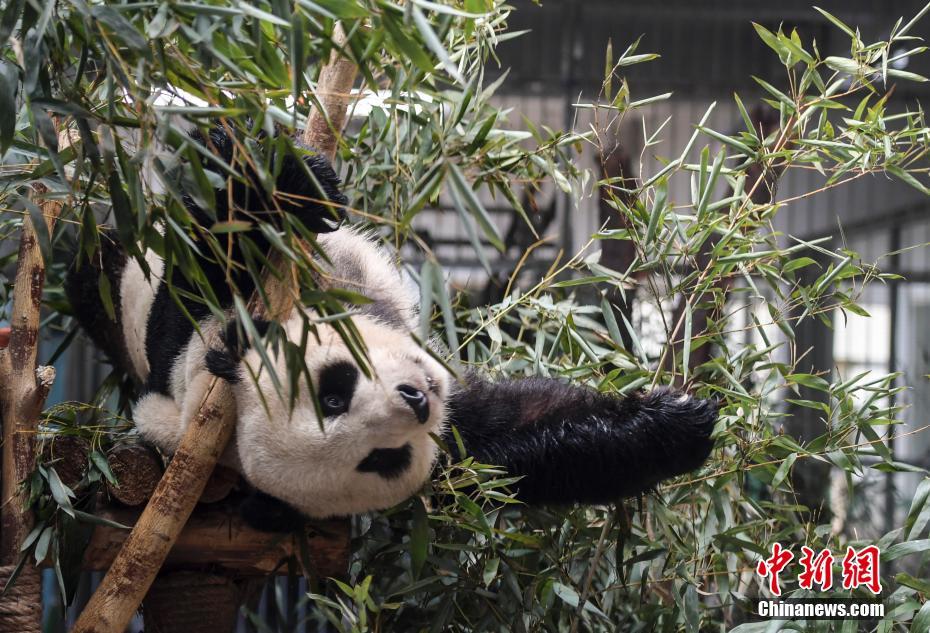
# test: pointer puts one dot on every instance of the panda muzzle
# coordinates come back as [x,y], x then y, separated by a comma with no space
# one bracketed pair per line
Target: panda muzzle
[416,400]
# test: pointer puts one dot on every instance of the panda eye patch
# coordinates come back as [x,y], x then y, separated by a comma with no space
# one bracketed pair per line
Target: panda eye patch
[335,387]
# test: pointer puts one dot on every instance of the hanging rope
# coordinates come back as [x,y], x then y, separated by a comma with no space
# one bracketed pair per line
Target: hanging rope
[20,608]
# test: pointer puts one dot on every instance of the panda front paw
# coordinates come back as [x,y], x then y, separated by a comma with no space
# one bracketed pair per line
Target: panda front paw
[224,362]
[689,423]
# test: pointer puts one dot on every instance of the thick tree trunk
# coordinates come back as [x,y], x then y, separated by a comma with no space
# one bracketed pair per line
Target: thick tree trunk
[23,389]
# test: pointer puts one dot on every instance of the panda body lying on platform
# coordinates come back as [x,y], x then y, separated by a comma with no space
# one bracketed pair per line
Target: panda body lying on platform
[373,449]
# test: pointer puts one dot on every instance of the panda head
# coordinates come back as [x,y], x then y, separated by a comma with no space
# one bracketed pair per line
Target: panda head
[373,447]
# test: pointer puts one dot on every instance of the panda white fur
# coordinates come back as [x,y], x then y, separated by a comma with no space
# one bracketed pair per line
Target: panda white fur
[386,420]
[373,449]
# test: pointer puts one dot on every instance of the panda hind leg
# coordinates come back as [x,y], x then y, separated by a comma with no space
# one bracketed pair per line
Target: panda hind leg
[159,421]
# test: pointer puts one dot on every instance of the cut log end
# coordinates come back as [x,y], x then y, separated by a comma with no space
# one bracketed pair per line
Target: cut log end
[191,602]
[220,484]
[67,454]
[138,470]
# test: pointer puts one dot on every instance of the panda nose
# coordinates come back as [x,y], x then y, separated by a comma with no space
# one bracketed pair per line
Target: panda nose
[417,401]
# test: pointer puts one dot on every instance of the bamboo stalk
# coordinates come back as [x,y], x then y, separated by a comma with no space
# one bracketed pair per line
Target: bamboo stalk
[112,606]
[23,389]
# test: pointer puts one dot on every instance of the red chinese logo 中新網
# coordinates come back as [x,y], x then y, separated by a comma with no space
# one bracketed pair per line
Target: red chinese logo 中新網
[771,567]
[859,568]
[817,569]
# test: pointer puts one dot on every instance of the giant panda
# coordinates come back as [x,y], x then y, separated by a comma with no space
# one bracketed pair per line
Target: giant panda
[375,445]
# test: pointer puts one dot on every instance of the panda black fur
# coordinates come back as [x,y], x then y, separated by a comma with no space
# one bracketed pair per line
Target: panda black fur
[374,449]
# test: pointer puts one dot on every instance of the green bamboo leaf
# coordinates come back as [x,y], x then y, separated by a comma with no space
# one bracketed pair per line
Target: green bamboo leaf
[9,89]
[445,306]
[419,537]
[784,470]
[582,281]
[640,350]
[570,597]
[60,492]
[711,183]
[919,513]
[432,41]
[825,282]
[907,177]
[100,461]
[406,45]
[255,12]
[120,27]
[106,295]
[41,550]
[608,70]
[657,213]
[729,140]
[907,548]
[610,320]
[686,347]
[778,94]
[770,39]
[914,583]
[470,229]
[797,264]
[490,570]
[427,273]
[793,44]
[904,74]
[11,15]
[98,520]
[848,66]
[477,209]
[475,10]
[334,9]
[837,22]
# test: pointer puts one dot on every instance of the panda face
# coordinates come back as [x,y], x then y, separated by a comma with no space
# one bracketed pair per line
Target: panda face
[372,448]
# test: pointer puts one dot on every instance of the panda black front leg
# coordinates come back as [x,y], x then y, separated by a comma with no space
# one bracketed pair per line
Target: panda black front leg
[224,363]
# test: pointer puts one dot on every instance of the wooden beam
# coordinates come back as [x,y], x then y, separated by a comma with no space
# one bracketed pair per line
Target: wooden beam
[217,539]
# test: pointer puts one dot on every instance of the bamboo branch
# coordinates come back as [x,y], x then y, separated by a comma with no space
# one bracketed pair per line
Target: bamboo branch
[23,389]
[333,93]
[112,606]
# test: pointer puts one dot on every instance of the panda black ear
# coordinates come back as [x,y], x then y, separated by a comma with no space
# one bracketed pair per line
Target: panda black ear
[572,444]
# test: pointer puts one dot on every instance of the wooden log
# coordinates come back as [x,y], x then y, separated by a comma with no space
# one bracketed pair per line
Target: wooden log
[113,604]
[138,469]
[67,454]
[23,389]
[220,484]
[218,540]
[192,602]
